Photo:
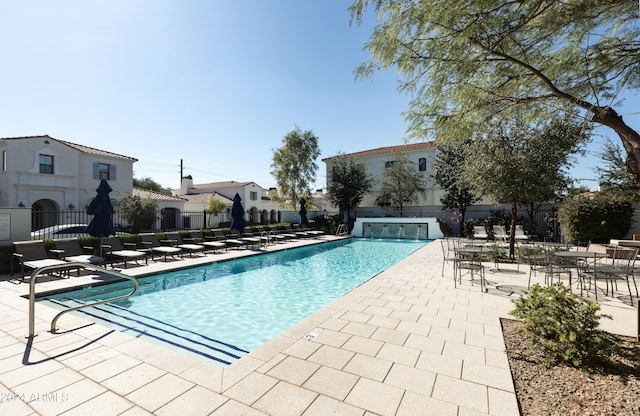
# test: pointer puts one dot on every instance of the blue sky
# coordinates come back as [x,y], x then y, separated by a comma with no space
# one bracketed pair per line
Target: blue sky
[217,84]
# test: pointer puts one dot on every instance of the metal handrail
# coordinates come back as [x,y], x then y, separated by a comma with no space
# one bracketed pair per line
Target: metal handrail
[265,237]
[70,265]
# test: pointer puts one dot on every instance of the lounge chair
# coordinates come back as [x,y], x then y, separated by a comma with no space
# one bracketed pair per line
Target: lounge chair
[32,255]
[250,237]
[519,234]
[479,232]
[297,232]
[69,249]
[499,233]
[287,234]
[153,246]
[275,235]
[312,232]
[188,247]
[230,242]
[212,244]
[113,249]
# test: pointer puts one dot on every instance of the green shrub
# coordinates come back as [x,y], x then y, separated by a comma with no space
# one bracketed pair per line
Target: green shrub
[597,219]
[565,326]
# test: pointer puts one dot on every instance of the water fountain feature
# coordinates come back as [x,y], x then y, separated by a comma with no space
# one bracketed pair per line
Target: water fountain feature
[413,228]
[368,233]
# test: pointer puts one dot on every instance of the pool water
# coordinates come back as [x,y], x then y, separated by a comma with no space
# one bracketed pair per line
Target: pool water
[224,310]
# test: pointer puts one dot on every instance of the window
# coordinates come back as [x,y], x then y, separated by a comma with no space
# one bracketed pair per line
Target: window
[388,164]
[4,160]
[46,164]
[104,171]
[422,164]
[253,195]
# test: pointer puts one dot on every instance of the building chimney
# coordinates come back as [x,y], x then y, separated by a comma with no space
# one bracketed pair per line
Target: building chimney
[186,184]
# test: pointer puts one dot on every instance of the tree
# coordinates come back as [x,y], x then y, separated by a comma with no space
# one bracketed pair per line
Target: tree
[466,65]
[139,213]
[215,205]
[614,179]
[294,167]
[402,184]
[348,183]
[151,185]
[517,163]
[450,158]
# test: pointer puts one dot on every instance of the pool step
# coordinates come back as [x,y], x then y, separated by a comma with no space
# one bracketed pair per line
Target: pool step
[169,335]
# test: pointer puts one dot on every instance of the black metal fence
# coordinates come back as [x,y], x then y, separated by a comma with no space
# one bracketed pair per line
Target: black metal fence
[66,223]
[57,224]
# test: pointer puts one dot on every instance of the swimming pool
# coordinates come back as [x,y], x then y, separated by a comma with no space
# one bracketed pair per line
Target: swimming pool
[224,310]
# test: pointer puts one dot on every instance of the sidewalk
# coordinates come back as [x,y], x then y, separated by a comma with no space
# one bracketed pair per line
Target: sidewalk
[406,342]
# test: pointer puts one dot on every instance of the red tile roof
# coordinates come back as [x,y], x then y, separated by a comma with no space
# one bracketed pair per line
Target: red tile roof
[388,150]
[157,196]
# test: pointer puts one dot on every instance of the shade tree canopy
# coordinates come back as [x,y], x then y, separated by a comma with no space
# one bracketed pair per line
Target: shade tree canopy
[468,64]
[516,163]
[348,184]
[294,167]
[448,167]
[402,184]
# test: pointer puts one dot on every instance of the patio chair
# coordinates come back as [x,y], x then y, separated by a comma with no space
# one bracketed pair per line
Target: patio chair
[470,259]
[153,246]
[212,243]
[536,258]
[621,269]
[113,249]
[479,232]
[69,249]
[32,255]
[188,247]
[448,253]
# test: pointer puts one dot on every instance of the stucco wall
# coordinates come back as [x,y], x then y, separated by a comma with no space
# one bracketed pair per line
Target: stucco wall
[15,225]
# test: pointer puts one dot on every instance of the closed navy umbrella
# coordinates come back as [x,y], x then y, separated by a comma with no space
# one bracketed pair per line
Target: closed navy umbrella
[303,212]
[237,213]
[102,223]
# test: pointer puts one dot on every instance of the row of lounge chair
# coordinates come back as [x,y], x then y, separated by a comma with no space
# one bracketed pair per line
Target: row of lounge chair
[499,233]
[32,255]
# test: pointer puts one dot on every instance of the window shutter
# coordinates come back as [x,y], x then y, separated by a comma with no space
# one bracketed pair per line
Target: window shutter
[96,171]
[112,172]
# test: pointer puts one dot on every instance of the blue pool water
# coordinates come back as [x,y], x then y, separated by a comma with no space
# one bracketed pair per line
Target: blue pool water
[224,310]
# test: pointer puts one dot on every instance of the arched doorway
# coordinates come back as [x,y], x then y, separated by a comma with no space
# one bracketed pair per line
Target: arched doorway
[44,213]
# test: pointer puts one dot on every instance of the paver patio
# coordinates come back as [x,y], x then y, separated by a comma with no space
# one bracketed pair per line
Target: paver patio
[406,342]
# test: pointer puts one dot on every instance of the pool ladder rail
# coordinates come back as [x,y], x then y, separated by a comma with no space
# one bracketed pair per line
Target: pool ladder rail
[67,266]
[266,237]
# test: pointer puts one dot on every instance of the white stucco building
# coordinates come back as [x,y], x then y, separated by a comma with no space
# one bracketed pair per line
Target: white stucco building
[376,160]
[49,174]
[257,205]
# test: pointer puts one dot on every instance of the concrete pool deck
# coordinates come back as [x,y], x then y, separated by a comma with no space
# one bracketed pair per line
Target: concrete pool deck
[406,342]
